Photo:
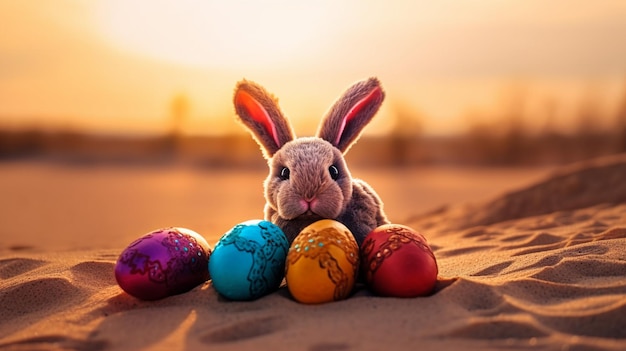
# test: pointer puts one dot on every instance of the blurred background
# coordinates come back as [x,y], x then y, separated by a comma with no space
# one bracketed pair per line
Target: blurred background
[116,116]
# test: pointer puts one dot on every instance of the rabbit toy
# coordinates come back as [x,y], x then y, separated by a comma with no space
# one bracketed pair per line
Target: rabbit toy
[308,177]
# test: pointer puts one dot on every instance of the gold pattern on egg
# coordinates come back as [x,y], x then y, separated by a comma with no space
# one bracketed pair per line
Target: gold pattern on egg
[314,244]
[399,236]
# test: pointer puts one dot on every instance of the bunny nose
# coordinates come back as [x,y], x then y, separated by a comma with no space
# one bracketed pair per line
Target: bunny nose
[308,203]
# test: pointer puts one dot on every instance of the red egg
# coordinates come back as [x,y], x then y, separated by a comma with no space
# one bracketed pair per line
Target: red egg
[397,261]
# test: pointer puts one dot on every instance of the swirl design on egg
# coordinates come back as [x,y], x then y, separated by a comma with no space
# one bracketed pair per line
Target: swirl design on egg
[261,254]
[399,236]
[316,245]
[184,253]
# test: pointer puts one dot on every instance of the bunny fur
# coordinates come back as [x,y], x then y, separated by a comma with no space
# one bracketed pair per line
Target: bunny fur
[309,179]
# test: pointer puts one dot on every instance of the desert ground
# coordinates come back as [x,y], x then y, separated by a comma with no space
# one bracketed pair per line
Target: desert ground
[529,258]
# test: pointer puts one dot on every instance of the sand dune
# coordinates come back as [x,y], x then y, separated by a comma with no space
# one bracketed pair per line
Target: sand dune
[541,267]
[580,185]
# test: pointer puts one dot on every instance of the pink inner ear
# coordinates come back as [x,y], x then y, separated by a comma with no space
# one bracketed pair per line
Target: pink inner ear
[356,109]
[257,112]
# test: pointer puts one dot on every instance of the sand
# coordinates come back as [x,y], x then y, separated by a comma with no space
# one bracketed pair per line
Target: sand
[540,266]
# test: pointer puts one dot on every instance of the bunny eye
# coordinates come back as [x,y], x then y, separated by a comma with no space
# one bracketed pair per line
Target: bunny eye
[334,172]
[284,173]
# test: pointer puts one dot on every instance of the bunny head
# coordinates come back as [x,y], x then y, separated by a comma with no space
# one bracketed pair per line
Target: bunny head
[309,179]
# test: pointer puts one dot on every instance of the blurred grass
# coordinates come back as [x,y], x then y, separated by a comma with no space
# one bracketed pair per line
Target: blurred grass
[496,144]
[512,134]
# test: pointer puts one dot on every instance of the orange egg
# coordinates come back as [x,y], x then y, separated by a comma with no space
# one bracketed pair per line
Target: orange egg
[322,263]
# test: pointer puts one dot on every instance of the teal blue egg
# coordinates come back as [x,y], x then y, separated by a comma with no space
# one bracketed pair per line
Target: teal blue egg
[249,260]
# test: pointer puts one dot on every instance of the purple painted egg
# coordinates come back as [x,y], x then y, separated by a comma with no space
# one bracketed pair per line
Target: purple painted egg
[164,262]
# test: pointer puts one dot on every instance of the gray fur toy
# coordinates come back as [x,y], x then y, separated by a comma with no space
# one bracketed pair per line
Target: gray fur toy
[309,179]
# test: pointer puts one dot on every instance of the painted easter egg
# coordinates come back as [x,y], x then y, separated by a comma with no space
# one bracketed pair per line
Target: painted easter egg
[162,263]
[249,260]
[322,263]
[397,261]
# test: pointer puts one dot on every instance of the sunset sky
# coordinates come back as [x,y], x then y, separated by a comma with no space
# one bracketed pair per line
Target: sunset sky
[114,66]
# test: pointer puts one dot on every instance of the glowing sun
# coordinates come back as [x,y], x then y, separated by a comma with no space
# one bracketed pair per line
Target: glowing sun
[216,33]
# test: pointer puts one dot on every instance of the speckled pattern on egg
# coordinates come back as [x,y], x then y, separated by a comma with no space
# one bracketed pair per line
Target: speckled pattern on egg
[397,261]
[325,250]
[163,262]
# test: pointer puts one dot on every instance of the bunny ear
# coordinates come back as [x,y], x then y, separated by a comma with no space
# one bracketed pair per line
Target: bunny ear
[259,112]
[351,113]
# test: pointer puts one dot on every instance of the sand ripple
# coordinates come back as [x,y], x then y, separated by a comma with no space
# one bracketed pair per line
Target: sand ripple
[539,268]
